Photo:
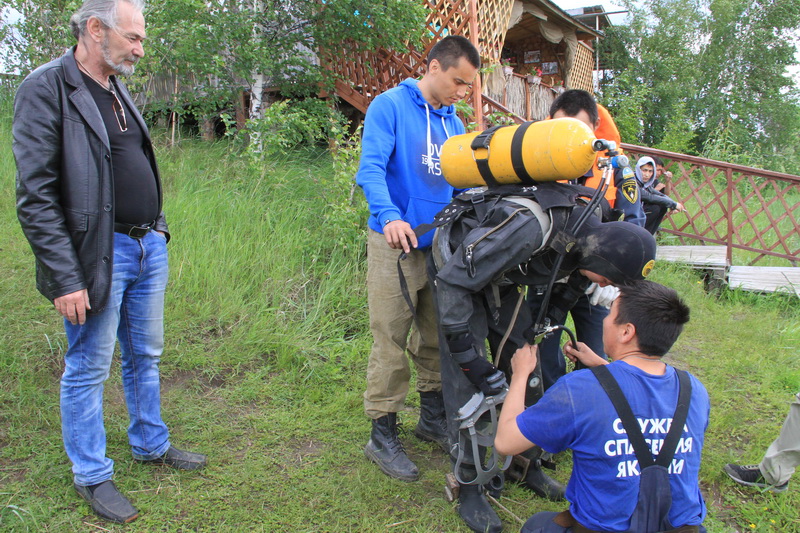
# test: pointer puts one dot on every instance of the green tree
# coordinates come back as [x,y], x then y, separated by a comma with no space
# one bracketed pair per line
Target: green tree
[229,45]
[652,73]
[750,48]
[695,76]
[39,34]
[225,46]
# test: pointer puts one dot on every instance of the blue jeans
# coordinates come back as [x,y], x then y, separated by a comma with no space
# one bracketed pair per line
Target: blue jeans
[135,316]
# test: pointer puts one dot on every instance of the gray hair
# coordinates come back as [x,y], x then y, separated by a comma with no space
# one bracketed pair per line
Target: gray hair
[104,10]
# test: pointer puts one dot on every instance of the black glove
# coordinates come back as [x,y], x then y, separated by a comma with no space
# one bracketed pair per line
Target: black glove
[484,375]
[480,372]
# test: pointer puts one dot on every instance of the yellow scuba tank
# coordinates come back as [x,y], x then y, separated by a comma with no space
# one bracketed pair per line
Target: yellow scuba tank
[550,150]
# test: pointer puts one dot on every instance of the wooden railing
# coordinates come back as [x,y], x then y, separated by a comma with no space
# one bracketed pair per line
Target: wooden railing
[754,213]
[492,108]
[520,94]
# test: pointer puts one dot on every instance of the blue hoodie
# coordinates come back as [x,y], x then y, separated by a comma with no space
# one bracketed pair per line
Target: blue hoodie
[399,170]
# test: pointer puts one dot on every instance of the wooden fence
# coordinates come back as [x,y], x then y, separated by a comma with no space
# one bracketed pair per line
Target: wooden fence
[754,213]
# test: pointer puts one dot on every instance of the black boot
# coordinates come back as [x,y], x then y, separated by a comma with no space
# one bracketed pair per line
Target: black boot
[535,479]
[475,510]
[543,485]
[432,425]
[385,450]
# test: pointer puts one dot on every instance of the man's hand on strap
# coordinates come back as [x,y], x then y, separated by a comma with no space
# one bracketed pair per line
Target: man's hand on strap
[399,234]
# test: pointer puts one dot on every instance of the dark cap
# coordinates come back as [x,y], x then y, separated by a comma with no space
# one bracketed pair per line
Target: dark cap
[620,251]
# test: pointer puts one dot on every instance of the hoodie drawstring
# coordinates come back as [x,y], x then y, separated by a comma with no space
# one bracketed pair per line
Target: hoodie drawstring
[431,151]
[428,138]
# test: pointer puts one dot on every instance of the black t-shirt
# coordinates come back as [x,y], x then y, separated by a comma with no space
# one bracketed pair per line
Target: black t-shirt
[135,187]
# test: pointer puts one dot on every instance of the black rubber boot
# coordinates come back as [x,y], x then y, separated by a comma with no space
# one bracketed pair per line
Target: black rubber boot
[535,478]
[385,450]
[542,484]
[475,510]
[432,425]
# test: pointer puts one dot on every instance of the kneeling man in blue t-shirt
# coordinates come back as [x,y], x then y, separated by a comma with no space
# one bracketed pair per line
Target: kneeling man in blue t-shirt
[577,413]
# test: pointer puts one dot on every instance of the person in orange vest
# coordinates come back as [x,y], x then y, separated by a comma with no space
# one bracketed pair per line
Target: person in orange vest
[624,196]
[623,193]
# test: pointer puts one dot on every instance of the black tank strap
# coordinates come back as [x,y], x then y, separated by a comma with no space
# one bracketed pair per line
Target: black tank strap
[635,436]
[406,293]
[516,155]
[482,140]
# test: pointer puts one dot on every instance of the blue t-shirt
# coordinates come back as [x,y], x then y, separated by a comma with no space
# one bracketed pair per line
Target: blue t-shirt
[576,413]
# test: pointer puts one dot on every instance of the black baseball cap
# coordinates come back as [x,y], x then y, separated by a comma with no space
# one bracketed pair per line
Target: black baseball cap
[620,251]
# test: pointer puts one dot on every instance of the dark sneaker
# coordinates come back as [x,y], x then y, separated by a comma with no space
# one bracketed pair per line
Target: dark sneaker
[108,503]
[751,476]
[178,459]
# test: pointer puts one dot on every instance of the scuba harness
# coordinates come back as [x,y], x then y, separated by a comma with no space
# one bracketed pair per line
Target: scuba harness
[480,433]
[472,417]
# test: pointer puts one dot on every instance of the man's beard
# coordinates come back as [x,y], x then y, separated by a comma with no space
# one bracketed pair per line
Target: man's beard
[120,68]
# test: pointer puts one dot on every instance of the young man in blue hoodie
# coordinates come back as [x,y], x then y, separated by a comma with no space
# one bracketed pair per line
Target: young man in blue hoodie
[404,130]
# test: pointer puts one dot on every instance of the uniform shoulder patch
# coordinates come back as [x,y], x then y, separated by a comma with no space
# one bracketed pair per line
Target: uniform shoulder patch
[630,190]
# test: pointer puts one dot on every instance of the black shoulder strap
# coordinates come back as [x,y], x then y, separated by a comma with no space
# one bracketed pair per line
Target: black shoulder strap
[623,408]
[678,420]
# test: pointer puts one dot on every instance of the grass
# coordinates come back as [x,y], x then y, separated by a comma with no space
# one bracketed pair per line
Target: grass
[266,346]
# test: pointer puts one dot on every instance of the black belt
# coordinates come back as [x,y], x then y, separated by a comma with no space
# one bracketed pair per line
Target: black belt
[137,232]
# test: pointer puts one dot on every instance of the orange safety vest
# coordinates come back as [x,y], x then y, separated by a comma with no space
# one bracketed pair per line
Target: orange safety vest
[607,130]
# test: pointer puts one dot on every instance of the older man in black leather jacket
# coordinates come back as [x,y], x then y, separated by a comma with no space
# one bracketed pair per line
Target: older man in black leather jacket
[89,202]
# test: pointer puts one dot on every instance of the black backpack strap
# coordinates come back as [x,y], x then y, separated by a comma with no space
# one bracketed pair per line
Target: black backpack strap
[623,408]
[629,422]
[678,420]
[406,293]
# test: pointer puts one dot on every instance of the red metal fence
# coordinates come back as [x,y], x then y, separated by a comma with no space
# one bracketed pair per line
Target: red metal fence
[754,213]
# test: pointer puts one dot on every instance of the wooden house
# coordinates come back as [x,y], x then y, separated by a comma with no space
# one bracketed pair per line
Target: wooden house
[544,47]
